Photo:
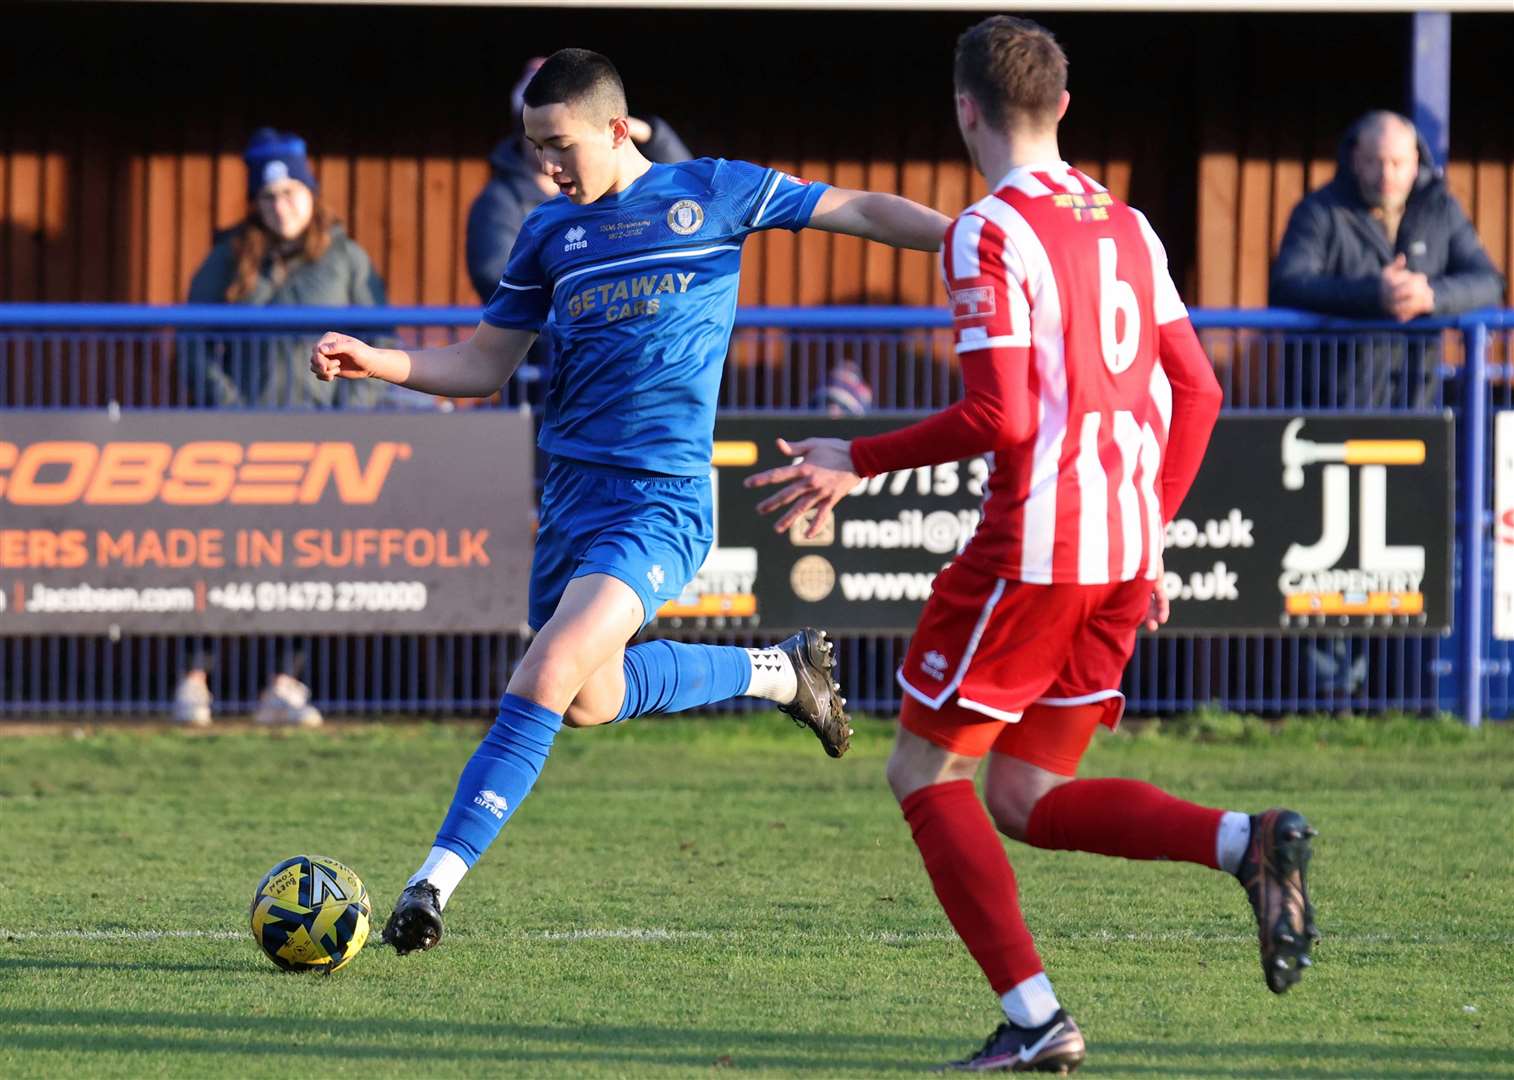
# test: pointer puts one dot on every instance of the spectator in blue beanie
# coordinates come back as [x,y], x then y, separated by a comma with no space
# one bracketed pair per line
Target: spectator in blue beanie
[287,251]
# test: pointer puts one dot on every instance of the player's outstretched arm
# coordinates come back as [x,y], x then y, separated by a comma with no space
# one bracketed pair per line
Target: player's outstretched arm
[873,215]
[992,414]
[817,481]
[477,366]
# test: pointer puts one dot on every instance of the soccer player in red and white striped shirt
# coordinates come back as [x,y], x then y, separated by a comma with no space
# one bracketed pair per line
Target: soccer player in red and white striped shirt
[1087,386]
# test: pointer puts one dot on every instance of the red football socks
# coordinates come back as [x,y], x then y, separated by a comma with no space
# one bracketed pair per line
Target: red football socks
[971,873]
[1124,818]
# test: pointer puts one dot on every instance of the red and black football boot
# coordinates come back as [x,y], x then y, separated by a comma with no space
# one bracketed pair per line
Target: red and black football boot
[1274,872]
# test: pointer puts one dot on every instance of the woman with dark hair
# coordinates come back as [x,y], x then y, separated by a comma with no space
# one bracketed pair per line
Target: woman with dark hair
[287,251]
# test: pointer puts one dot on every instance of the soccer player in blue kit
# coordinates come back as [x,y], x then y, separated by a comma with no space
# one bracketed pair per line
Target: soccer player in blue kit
[637,263]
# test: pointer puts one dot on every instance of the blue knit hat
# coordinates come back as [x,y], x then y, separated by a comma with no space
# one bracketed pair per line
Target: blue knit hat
[845,393]
[272,156]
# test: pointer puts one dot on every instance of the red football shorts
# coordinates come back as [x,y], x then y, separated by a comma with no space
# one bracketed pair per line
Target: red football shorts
[1019,669]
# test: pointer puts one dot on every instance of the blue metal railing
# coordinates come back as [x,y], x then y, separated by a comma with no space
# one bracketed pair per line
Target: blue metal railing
[95,355]
[841,317]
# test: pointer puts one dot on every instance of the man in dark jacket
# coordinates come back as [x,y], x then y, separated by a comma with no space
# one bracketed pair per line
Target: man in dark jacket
[1384,239]
[518,186]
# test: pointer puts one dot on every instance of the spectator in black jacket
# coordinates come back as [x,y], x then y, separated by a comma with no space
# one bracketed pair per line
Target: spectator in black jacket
[518,186]
[1384,239]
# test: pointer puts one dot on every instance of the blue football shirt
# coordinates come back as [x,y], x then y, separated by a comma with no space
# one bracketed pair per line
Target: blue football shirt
[641,288]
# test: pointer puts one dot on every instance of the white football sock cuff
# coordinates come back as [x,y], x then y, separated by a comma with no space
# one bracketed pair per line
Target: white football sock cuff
[1231,839]
[444,869]
[773,676]
[1030,1003]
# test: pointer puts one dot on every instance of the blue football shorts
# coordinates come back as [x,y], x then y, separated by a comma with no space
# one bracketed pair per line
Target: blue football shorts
[650,531]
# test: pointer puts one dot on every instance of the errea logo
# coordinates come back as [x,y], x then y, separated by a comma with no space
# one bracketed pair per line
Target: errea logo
[575,239]
[934,665]
[491,801]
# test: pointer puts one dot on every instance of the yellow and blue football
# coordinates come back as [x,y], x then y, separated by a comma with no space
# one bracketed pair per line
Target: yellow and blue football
[310,913]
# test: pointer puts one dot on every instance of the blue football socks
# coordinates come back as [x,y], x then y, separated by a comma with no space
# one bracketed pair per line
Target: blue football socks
[671,676]
[498,776]
[661,677]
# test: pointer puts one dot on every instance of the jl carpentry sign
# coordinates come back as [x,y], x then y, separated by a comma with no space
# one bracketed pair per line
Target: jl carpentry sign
[1318,523]
[1294,524]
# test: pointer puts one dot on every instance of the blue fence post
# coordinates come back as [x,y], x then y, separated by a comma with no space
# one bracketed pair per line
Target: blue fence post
[1474,487]
[1430,80]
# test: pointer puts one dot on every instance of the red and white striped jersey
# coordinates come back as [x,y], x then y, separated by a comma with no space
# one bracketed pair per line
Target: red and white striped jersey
[1051,261]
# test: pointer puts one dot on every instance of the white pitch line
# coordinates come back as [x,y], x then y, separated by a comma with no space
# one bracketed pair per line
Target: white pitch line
[117,935]
[624,933]
[655,934]
[914,937]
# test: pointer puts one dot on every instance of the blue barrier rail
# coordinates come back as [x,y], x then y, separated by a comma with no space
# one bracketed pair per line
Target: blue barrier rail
[97,355]
[841,317]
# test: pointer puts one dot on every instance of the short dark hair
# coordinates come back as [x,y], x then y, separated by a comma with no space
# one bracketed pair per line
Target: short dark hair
[1014,69]
[580,78]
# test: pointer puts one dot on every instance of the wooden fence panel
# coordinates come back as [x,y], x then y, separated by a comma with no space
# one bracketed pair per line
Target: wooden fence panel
[112,187]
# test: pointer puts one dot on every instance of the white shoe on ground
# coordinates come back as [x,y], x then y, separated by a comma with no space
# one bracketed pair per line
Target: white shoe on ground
[287,701]
[191,701]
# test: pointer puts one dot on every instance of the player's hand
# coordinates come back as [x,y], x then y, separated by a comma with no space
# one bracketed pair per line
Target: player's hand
[1158,608]
[337,356]
[817,482]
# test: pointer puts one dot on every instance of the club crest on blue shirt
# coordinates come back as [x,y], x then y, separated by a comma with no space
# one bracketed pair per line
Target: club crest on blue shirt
[685,217]
[642,317]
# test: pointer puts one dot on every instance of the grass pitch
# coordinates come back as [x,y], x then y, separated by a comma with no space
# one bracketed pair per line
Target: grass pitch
[695,898]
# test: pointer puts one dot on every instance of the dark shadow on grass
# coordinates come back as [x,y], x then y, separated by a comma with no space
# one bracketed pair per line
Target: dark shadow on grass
[1305,1061]
[363,1039]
